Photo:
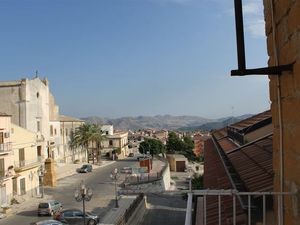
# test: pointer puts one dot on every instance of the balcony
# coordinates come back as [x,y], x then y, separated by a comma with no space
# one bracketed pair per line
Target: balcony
[27,164]
[5,148]
[237,208]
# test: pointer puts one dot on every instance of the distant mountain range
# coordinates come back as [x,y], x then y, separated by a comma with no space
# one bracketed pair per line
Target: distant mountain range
[184,123]
[223,122]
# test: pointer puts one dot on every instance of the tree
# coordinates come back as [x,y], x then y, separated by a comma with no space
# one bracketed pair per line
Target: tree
[174,144]
[188,147]
[153,146]
[86,136]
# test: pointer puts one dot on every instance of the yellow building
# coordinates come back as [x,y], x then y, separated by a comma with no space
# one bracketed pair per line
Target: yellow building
[116,143]
[27,162]
[6,160]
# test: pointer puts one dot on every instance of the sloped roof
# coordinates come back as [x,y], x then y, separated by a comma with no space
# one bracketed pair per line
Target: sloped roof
[246,124]
[215,177]
[221,133]
[253,163]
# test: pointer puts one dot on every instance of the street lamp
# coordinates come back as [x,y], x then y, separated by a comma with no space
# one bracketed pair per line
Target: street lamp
[190,177]
[41,173]
[115,176]
[83,193]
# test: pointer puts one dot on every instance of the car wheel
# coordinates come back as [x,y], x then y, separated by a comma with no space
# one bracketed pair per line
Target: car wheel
[92,222]
[39,214]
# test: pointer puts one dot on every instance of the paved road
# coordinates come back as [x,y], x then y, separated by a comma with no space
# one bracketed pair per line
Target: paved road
[166,209]
[100,182]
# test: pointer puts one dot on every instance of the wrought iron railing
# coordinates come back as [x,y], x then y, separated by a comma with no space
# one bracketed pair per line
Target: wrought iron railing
[5,147]
[25,163]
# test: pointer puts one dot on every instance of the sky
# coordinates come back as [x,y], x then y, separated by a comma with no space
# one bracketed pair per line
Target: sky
[116,58]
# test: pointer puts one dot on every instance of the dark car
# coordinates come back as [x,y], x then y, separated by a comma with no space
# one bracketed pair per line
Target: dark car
[85,168]
[75,216]
[49,208]
[139,158]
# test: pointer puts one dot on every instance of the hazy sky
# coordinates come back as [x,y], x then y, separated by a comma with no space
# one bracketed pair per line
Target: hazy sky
[136,57]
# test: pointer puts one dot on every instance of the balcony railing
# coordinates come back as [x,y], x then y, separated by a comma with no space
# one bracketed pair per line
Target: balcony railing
[5,147]
[27,163]
[253,208]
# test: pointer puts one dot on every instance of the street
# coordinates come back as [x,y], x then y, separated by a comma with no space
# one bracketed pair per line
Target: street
[167,209]
[100,182]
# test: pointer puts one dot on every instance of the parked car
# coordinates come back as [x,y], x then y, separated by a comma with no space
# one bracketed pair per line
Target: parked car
[143,157]
[126,170]
[48,222]
[85,168]
[49,208]
[75,216]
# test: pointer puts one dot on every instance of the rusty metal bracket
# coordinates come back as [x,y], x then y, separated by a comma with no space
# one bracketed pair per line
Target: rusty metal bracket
[240,41]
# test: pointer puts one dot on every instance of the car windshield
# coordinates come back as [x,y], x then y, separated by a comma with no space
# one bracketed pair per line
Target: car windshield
[84,166]
[43,205]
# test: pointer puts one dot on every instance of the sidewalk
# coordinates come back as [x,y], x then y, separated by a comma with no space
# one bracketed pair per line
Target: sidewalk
[62,170]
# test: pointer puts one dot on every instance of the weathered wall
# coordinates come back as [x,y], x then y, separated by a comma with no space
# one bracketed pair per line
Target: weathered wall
[287,42]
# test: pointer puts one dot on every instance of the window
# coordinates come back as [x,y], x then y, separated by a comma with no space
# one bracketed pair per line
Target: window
[66,132]
[54,131]
[38,125]
[1,138]
[22,157]
[110,142]
[39,150]
[2,169]
[106,132]
[68,214]
[51,130]
[78,214]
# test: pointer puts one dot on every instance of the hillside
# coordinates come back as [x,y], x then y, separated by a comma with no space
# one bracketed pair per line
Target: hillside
[223,122]
[156,122]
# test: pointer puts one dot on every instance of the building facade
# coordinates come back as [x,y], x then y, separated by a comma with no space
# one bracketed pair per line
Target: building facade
[6,160]
[67,128]
[116,144]
[283,38]
[27,162]
[30,104]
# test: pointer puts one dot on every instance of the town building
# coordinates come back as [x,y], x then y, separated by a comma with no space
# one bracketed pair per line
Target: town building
[32,107]
[28,102]
[27,162]
[199,140]
[6,160]
[69,154]
[115,144]
[232,164]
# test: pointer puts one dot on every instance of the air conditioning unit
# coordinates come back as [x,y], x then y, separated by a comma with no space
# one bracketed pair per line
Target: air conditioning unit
[6,134]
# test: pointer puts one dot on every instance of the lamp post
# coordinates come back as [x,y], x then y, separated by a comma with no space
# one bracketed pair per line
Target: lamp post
[83,193]
[115,176]
[190,177]
[41,173]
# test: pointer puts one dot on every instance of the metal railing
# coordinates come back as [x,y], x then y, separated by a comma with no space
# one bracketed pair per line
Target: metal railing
[5,147]
[253,211]
[25,163]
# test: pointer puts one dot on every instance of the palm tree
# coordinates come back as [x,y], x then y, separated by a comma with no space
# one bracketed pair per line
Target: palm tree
[87,136]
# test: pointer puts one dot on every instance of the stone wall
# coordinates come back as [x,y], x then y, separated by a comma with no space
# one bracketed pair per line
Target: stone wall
[287,45]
